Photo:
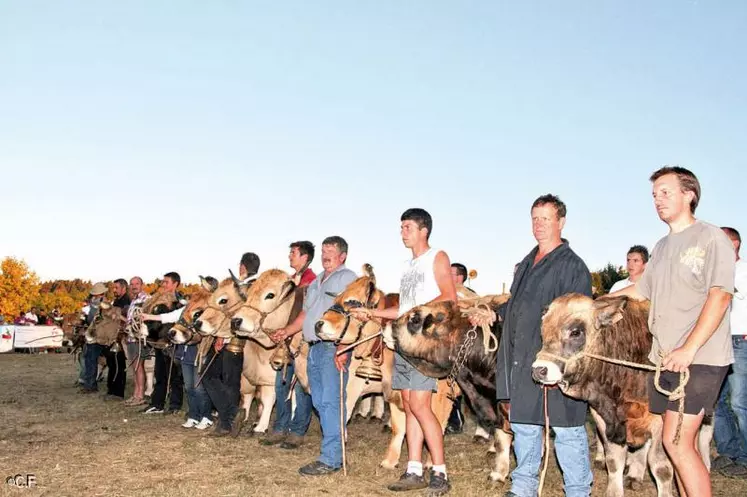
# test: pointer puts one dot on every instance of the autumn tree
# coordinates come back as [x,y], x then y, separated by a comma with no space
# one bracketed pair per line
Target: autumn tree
[603,279]
[19,288]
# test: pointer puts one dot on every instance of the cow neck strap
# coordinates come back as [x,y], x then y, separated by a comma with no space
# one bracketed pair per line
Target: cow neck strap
[227,313]
[263,315]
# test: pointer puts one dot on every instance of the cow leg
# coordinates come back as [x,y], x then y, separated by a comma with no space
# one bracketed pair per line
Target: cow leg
[397,418]
[267,398]
[247,396]
[599,459]
[353,392]
[502,445]
[704,442]
[636,463]
[378,407]
[364,407]
[658,462]
[150,375]
[615,456]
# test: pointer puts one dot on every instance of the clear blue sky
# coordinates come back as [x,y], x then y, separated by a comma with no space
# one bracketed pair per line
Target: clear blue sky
[145,137]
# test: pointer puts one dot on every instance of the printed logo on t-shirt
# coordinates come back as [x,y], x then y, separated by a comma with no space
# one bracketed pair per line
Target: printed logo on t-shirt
[694,259]
[411,280]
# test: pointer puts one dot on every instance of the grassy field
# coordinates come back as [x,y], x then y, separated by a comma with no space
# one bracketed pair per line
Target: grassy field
[82,445]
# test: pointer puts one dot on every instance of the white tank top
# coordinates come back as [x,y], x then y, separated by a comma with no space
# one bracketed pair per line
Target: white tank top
[418,283]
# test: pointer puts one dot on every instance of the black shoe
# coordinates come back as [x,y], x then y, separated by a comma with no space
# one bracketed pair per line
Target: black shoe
[171,411]
[238,422]
[721,462]
[438,485]
[291,442]
[408,481]
[738,471]
[219,431]
[510,494]
[317,468]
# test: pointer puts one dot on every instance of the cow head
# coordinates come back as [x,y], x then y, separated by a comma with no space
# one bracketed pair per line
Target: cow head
[268,305]
[428,335]
[225,299]
[71,323]
[572,324]
[160,303]
[338,325]
[184,330]
[105,327]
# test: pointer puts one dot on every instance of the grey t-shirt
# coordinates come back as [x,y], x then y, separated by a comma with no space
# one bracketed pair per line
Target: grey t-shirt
[683,268]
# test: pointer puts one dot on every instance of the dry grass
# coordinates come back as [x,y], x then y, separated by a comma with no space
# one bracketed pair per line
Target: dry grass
[80,445]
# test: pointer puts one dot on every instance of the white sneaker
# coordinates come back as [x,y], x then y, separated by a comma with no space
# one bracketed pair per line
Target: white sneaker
[204,424]
[191,423]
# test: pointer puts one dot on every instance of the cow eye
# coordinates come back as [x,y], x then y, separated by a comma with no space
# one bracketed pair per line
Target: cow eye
[223,301]
[196,315]
[575,333]
[270,296]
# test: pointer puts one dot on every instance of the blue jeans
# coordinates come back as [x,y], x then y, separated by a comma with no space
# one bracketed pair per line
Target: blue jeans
[197,397]
[730,417]
[571,450]
[92,353]
[324,380]
[286,421]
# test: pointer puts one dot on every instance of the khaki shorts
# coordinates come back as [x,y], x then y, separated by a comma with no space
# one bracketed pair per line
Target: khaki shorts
[406,377]
[701,391]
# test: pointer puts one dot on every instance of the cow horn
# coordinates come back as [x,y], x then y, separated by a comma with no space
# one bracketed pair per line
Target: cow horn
[368,271]
[237,284]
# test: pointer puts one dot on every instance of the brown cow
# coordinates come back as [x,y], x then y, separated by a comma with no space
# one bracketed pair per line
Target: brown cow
[105,328]
[234,306]
[340,326]
[432,336]
[617,328]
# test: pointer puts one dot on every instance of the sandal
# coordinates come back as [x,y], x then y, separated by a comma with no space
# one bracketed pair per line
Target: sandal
[137,402]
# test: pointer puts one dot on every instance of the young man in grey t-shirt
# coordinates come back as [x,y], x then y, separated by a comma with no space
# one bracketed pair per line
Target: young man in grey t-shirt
[690,282]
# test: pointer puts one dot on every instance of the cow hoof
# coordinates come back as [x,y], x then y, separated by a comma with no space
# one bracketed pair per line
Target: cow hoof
[388,465]
[358,419]
[374,421]
[496,477]
[386,429]
[632,484]
[479,440]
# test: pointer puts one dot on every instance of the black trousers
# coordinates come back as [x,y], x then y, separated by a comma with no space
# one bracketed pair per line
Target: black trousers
[116,367]
[161,378]
[222,381]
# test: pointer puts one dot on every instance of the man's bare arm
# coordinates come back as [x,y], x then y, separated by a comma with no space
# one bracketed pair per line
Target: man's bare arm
[628,291]
[710,317]
[442,272]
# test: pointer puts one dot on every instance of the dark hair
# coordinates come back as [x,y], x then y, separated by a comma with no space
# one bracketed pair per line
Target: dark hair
[304,248]
[639,249]
[173,276]
[121,282]
[461,269]
[250,261]
[688,182]
[733,234]
[555,201]
[339,241]
[421,218]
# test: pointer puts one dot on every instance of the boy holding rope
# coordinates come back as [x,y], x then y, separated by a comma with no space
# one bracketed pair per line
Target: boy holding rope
[690,282]
[425,278]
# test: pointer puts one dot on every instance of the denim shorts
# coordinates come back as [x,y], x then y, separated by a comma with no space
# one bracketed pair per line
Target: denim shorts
[701,391]
[406,377]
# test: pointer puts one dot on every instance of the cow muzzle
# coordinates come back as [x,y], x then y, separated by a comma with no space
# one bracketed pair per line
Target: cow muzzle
[546,372]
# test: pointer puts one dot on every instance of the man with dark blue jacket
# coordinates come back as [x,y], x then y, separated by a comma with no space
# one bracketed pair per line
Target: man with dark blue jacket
[550,270]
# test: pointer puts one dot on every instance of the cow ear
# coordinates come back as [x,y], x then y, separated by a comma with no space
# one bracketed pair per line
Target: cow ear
[608,311]
[369,272]
[208,285]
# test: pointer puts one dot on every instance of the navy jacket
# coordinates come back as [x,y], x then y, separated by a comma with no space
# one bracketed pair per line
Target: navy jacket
[533,289]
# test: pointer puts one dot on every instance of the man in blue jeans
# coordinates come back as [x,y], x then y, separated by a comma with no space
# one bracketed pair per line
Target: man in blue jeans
[290,426]
[730,422]
[323,365]
[550,270]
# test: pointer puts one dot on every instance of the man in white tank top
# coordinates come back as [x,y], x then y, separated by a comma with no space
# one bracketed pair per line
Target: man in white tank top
[426,277]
